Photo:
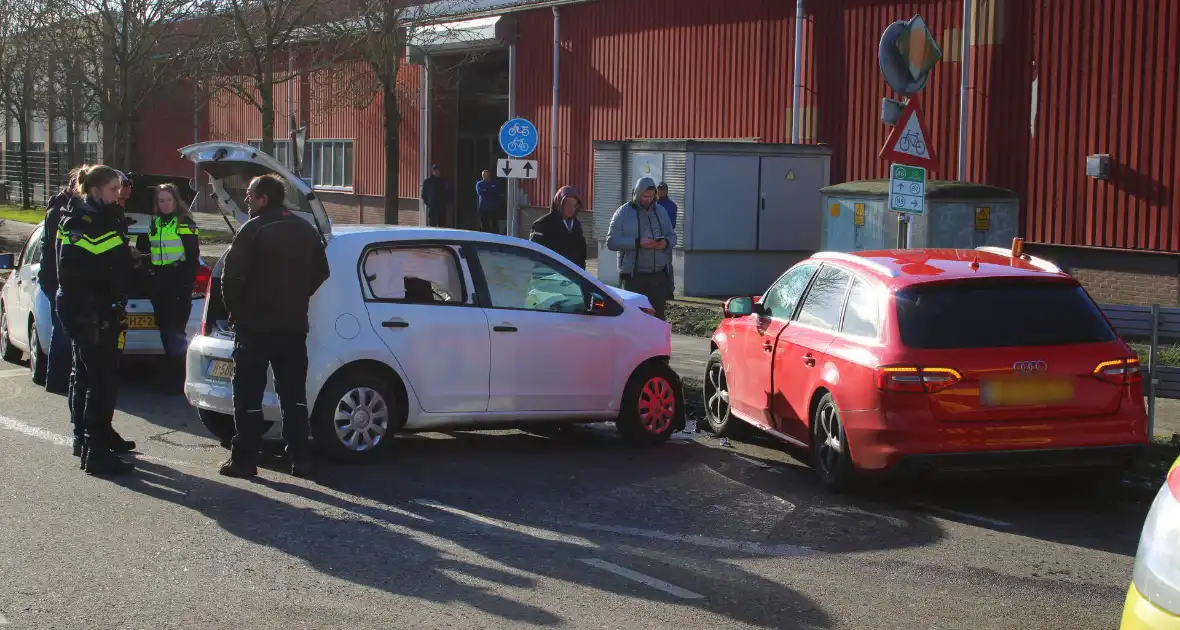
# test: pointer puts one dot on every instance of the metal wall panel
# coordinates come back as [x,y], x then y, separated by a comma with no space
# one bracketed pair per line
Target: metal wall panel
[607,194]
[233,118]
[165,126]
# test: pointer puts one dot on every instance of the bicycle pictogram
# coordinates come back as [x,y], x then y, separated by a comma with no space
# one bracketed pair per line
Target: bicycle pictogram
[518,144]
[912,140]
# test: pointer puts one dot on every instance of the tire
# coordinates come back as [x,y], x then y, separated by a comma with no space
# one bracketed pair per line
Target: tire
[38,360]
[344,436]
[643,423]
[221,425]
[716,398]
[8,352]
[829,447]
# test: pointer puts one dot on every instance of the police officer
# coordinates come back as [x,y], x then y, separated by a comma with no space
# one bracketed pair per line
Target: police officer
[57,373]
[274,265]
[94,267]
[173,249]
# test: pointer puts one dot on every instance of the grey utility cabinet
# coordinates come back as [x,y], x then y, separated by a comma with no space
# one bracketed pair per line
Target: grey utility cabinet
[958,215]
[748,210]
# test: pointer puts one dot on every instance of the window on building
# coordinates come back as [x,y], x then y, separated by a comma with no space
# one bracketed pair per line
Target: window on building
[329,163]
[280,152]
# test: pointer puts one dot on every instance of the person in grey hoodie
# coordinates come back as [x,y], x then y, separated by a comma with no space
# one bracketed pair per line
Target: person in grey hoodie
[642,234]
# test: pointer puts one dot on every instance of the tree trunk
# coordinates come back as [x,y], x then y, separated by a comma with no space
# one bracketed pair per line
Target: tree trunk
[392,120]
[26,187]
[71,136]
[266,98]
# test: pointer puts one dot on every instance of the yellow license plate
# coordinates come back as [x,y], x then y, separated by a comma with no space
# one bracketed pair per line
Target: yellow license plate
[140,322]
[221,369]
[1027,392]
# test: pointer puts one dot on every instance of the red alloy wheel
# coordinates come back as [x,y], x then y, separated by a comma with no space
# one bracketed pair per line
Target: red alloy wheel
[657,405]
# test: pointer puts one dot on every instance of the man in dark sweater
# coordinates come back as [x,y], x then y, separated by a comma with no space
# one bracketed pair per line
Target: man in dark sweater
[560,230]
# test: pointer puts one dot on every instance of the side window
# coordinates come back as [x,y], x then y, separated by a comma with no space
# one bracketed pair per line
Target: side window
[520,279]
[417,275]
[33,256]
[781,299]
[821,307]
[860,317]
[23,259]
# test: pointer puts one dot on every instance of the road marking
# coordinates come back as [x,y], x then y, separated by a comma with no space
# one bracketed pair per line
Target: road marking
[965,515]
[62,440]
[753,548]
[532,532]
[661,585]
[13,373]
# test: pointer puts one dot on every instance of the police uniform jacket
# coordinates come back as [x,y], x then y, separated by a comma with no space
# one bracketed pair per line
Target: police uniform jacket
[173,248]
[48,274]
[94,264]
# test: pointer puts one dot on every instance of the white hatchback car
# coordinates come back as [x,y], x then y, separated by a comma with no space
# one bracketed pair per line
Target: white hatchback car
[26,323]
[422,329]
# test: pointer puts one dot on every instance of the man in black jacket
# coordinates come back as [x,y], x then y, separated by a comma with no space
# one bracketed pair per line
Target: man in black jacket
[560,230]
[274,265]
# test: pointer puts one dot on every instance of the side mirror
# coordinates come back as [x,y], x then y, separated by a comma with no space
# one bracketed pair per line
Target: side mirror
[595,304]
[739,306]
[7,261]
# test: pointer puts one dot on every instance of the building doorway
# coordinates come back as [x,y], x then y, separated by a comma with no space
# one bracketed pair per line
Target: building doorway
[481,93]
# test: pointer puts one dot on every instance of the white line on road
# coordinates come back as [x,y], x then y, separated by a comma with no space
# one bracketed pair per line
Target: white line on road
[61,440]
[668,588]
[753,548]
[533,532]
[13,373]
[964,515]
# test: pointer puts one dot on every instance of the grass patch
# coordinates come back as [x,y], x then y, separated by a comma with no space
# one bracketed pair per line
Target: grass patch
[1167,356]
[16,213]
[693,321]
[211,237]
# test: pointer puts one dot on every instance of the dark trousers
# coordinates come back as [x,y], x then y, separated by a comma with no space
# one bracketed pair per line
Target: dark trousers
[57,376]
[94,388]
[435,216]
[172,313]
[286,355]
[489,222]
[655,286]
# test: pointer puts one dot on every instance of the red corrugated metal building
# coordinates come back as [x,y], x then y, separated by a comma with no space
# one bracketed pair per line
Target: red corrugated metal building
[1051,83]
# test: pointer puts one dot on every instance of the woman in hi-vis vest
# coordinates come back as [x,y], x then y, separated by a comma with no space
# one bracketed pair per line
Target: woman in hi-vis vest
[172,250]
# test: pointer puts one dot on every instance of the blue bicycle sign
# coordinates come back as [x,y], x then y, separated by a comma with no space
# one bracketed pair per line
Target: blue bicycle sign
[518,138]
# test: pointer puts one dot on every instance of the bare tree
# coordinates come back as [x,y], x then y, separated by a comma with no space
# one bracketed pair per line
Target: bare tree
[248,44]
[129,51]
[378,35]
[22,66]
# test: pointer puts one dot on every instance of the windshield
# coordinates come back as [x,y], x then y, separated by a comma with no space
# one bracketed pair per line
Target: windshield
[997,314]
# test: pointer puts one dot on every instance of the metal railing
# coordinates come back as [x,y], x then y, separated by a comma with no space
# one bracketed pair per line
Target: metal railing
[48,171]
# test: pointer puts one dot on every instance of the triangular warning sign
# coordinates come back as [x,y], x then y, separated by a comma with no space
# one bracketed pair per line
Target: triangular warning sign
[791,175]
[909,142]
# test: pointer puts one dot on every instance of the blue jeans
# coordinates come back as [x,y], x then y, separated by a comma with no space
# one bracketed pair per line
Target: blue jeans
[57,377]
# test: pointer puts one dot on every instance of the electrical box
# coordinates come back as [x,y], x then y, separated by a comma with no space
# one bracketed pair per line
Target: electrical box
[958,216]
[1098,166]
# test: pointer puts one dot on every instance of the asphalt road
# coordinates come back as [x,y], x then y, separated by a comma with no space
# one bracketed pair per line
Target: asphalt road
[511,530]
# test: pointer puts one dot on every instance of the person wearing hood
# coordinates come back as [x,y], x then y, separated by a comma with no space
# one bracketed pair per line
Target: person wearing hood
[94,264]
[642,234]
[560,230]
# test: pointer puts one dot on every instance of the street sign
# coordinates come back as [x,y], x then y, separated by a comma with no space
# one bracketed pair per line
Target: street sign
[518,138]
[909,141]
[906,54]
[516,169]
[907,189]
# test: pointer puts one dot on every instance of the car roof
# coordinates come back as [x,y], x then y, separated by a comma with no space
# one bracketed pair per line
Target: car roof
[374,233]
[905,267]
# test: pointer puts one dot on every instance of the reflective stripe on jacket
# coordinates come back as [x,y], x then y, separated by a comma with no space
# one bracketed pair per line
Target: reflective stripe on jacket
[167,246]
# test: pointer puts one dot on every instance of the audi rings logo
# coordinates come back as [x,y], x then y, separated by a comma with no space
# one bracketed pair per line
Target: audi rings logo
[1029,367]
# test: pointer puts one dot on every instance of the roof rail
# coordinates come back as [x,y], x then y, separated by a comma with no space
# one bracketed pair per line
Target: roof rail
[1039,263]
[860,260]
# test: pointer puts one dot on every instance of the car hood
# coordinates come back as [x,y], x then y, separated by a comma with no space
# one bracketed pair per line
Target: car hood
[230,167]
[629,298]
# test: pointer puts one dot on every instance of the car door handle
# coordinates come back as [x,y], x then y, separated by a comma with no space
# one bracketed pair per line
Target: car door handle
[809,360]
[767,347]
[504,328]
[396,323]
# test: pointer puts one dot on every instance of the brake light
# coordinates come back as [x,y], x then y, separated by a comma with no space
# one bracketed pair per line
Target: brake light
[201,282]
[649,311]
[916,380]
[1120,371]
[206,292]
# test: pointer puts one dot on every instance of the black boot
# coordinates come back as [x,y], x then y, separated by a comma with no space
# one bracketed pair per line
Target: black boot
[232,468]
[78,446]
[97,459]
[118,444]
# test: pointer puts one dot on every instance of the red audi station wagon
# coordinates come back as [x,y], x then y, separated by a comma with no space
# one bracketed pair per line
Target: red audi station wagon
[928,360]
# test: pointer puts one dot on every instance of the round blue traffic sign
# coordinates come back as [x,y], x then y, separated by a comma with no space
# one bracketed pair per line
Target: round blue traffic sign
[518,138]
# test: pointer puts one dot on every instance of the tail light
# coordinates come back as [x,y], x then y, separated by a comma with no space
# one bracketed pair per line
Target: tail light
[1120,371]
[205,292]
[649,311]
[916,380]
[201,282]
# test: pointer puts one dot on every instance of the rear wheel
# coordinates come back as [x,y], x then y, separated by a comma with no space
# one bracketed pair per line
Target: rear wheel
[7,351]
[356,417]
[829,446]
[38,361]
[221,425]
[653,406]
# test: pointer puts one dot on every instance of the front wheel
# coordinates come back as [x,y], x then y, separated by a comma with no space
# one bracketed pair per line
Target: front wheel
[38,360]
[829,445]
[8,352]
[653,406]
[716,390]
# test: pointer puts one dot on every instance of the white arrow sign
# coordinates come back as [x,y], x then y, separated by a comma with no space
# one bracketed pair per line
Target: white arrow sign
[517,169]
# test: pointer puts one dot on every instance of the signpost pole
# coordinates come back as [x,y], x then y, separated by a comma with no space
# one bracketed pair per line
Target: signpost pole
[510,200]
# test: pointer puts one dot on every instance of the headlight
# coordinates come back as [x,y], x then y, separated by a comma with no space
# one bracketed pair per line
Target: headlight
[1157,564]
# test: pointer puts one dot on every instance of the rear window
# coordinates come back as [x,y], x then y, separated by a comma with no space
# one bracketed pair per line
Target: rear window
[999,314]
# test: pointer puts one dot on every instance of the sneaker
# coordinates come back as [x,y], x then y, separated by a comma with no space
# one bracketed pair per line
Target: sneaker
[230,468]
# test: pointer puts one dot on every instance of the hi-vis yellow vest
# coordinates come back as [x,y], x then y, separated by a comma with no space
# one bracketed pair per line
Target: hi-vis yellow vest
[167,246]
